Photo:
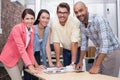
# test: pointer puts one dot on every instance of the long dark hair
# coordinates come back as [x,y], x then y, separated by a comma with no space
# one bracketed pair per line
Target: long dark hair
[27,11]
[39,14]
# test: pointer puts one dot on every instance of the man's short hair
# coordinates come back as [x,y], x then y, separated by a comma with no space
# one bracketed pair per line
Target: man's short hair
[64,5]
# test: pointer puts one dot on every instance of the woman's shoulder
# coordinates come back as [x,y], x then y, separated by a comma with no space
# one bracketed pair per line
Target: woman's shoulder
[36,26]
[47,27]
[19,26]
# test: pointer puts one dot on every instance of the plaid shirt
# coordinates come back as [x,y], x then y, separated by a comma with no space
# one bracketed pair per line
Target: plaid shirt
[100,33]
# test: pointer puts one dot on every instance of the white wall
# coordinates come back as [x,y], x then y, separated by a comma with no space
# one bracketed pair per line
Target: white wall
[118,8]
[37,7]
[111,15]
[51,5]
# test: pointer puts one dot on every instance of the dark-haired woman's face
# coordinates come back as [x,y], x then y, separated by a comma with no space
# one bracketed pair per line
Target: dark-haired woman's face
[44,19]
[28,20]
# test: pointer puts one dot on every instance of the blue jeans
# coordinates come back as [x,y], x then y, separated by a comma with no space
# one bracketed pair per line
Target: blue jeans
[38,57]
[28,76]
[67,56]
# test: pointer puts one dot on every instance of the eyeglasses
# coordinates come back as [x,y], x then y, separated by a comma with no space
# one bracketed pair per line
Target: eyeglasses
[62,12]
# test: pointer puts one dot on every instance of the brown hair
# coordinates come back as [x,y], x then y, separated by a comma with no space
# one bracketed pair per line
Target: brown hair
[64,5]
[39,14]
[27,11]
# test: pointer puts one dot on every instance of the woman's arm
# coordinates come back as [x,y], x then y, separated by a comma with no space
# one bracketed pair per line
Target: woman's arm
[48,50]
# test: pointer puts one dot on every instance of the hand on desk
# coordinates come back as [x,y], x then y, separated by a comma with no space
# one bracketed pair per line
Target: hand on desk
[94,70]
[79,66]
[51,65]
[40,67]
[33,69]
[58,64]
[73,65]
[37,69]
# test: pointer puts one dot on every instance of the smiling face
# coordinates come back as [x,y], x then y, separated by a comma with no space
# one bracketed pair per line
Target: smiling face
[28,20]
[44,19]
[81,11]
[62,14]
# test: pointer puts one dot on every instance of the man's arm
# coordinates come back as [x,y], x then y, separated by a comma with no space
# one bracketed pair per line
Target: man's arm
[57,53]
[74,48]
[80,64]
[96,66]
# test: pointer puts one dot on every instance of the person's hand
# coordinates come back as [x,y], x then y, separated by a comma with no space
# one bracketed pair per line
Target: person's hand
[79,66]
[40,67]
[51,65]
[94,70]
[73,65]
[32,69]
[58,64]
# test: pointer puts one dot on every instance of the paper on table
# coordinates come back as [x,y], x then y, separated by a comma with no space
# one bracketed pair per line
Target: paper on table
[55,70]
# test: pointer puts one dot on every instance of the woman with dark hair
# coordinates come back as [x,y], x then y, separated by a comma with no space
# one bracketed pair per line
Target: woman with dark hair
[19,47]
[42,38]
[41,41]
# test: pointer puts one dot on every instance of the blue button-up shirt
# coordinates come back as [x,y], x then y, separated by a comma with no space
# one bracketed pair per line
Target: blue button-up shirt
[100,33]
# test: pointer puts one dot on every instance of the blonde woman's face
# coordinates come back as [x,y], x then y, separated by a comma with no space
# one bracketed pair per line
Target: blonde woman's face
[29,20]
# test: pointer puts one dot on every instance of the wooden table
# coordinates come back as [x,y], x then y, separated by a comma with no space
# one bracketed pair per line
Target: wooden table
[73,76]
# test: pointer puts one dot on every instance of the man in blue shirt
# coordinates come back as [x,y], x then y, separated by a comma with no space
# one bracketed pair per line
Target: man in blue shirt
[98,30]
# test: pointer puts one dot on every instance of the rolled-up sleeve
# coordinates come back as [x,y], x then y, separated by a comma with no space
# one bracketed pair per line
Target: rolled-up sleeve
[76,35]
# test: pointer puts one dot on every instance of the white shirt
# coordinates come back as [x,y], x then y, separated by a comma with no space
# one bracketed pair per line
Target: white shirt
[66,34]
[28,36]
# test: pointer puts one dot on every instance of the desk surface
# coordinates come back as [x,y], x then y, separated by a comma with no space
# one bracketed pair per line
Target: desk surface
[73,76]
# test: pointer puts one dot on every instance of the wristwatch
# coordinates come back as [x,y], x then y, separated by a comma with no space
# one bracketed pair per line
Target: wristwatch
[72,62]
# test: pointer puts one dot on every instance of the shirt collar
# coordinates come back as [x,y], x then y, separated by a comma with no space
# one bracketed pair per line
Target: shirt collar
[31,30]
[91,17]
